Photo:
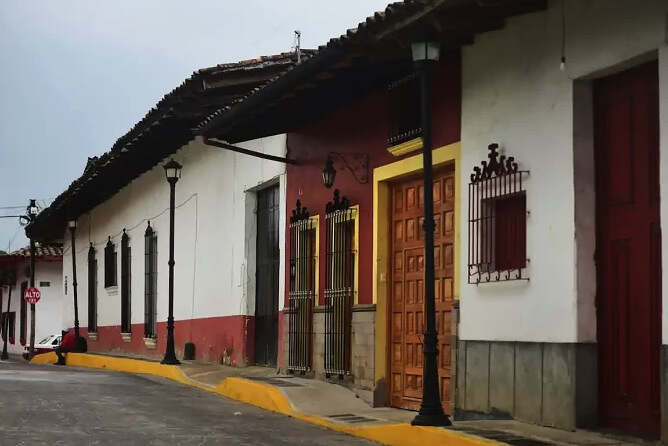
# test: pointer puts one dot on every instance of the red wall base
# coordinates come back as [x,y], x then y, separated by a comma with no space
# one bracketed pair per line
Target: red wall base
[211,336]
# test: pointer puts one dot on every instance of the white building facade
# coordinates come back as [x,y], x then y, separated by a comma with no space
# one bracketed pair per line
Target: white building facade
[48,311]
[226,304]
[574,345]
[215,249]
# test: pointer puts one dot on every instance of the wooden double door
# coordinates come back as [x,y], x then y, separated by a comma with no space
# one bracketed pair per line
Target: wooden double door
[628,249]
[407,303]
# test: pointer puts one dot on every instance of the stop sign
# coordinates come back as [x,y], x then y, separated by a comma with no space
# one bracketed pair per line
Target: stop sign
[32,295]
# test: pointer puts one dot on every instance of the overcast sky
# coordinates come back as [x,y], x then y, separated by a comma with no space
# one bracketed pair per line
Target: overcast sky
[76,75]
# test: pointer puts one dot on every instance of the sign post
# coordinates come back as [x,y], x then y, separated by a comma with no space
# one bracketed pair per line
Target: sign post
[32,295]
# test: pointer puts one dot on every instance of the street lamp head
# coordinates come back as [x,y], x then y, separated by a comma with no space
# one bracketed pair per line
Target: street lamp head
[172,170]
[32,208]
[328,173]
[72,224]
[425,51]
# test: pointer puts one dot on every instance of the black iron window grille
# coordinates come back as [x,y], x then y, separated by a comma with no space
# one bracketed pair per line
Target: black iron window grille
[92,290]
[404,110]
[339,284]
[110,264]
[497,220]
[126,325]
[150,281]
[8,326]
[303,264]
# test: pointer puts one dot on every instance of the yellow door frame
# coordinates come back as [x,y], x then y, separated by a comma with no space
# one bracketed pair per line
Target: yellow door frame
[382,176]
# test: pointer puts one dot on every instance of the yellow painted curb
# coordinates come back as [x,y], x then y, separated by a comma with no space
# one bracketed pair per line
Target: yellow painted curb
[270,398]
[117,364]
[258,394]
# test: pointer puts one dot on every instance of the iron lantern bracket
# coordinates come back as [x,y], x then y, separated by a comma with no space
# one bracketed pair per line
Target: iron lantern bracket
[356,163]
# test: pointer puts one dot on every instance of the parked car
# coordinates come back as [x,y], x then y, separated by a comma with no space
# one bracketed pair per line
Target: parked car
[46,345]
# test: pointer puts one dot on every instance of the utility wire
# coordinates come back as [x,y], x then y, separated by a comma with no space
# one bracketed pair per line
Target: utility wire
[129,229]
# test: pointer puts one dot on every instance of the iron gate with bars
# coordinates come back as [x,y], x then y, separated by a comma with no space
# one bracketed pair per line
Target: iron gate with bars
[497,220]
[302,288]
[339,284]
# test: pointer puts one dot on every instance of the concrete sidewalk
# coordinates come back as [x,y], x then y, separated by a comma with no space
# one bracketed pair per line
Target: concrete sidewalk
[340,405]
[337,407]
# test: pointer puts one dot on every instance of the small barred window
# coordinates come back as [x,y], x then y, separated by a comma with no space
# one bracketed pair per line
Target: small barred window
[497,220]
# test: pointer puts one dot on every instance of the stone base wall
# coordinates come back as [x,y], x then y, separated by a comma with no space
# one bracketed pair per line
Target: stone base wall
[551,384]
[362,355]
[361,378]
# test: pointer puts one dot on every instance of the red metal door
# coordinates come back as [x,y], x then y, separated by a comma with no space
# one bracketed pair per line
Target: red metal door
[628,249]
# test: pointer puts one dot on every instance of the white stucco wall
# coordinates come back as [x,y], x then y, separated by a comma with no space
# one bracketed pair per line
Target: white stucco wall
[48,318]
[515,94]
[212,270]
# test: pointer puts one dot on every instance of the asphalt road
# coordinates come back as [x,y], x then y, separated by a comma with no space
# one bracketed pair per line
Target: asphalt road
[52,405]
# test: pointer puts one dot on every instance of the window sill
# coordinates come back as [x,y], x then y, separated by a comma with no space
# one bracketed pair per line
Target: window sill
[406,147]
[92,336]
[112,290]
[127,337]
[151,343]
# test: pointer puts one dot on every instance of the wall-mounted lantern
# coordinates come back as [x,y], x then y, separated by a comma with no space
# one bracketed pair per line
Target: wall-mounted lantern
[356,163]
[328,173]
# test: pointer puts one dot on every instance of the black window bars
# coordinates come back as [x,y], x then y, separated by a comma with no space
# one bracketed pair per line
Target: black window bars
[126,323]
[150,281]
[303,255]
[497,220]
[339,284]
[92,290]
[110,264]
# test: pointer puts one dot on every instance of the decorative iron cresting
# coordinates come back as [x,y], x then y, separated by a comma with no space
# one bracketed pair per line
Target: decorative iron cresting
[299,213]
[338,203]
[339,284]
[302,289]
[497,220]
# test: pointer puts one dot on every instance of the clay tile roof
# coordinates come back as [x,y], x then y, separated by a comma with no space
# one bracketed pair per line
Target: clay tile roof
[348,56]
[165,128]
[40,251]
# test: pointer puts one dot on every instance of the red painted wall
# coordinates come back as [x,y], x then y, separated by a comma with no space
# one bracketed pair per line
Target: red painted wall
[211,337]
[361,127]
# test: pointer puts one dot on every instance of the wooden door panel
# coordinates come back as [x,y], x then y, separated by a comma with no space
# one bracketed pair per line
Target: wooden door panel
[407,290]
[628,261]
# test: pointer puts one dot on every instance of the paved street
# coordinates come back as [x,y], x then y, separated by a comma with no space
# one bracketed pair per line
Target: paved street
[50,405]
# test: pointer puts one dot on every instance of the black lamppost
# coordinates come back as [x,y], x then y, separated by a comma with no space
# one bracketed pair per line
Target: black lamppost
[72,225]
[425,56]
[173,173]
[31,211]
